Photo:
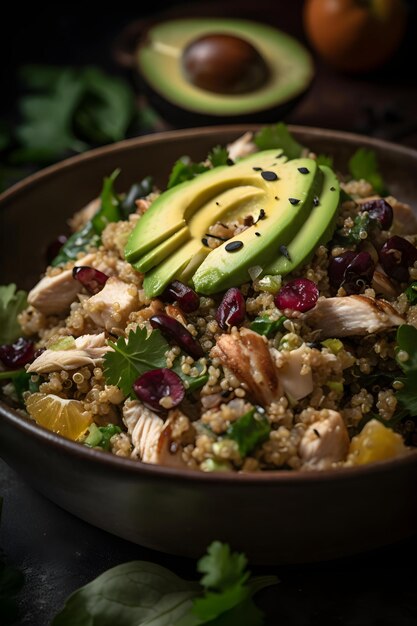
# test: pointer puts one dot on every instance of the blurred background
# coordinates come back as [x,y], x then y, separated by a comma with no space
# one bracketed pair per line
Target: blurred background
[52,106]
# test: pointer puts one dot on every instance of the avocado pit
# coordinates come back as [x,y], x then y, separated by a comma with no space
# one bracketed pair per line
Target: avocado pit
[224,64]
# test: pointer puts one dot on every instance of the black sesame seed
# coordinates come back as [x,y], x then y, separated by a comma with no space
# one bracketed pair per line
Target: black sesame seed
[257,169]
[234,246]
[294,201]
[316,201]
[269,176]
[217,203]
[257,234]
[216,237]
[304,170]
[316,432]
[204,242]
[284,251]
[276,198]
[262,215]
[332,188]
[230,162]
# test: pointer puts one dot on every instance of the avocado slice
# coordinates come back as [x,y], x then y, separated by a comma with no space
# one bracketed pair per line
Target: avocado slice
[288,206]
[318,228]
[171,212]
[160,63]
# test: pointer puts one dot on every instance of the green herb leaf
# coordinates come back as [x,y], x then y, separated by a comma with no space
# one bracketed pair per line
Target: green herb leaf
[411,293]
[249,431]
[79,241]
[278,136]
[265,326]
[218,156]
[109,205]
[99,436]
[12,303]
[139,354]
[221,567]
[407,342]
[132,594]
[324,159]
[362,223]
[184,169]
[363,164]
[137,191]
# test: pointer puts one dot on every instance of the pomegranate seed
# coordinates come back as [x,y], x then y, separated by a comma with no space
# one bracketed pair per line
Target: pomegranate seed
[153,386]
[232,309]
[300,294]
[17,354]
[380,211]
[396,256]
[91,279]
[54,248]
[351,270]
[186,297]
[174,330]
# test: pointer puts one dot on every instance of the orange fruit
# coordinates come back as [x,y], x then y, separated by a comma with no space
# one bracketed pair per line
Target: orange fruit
[355,35]
[63,417]
[375,442]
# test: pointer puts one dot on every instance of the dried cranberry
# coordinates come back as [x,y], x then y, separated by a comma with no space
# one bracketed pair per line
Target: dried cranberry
[300,294]
[351,270]
[154,385]
[186,297]
[17,354]
[174,330]
[54,248]
[396,256]
[232,309]
[91,279]
[380,211]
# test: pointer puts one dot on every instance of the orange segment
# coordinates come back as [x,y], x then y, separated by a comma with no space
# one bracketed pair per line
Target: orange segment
[375,442]
[64,417]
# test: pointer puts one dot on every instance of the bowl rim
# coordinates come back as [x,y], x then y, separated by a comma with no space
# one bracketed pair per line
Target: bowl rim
[153,471]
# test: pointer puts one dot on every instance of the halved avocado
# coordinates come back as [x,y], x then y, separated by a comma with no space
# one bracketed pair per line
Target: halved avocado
[285,72]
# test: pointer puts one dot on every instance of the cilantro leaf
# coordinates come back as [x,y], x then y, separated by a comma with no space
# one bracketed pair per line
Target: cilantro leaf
[265,326]
[363,164]
[324,159]
[184,169]
[139,354]
[249,431]
[278,136]
[221,567]
[411,293]
[12,303]
[218,156]
[109,204]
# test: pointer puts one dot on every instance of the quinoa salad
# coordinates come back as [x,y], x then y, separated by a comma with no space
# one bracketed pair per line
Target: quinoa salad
[272,326]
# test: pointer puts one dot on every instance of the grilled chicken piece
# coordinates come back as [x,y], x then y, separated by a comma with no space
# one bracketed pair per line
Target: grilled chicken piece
[54,294]
[246,354]
[382,284]
[111,307]
[325,442]
[88,350]
[352,315]
[296,384]
[243,146]
[151,436]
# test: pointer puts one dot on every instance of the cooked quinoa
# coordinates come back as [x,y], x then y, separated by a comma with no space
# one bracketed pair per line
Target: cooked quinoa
[308,386]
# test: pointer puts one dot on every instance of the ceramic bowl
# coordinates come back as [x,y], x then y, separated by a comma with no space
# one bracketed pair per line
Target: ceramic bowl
[275,517]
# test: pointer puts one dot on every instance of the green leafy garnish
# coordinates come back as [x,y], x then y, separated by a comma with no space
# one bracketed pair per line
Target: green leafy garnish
[363,165]
[138,190]
[411,293]
[324,159]
[218,156]
[249,431]
[132,357]
[265,326]
[278,136]
[407,344]
[99,436]
[12,303]
[145,594]
[184,169]
[361,224]
[109,204]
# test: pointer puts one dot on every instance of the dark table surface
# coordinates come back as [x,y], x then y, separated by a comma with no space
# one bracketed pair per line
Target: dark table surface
[56,551]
